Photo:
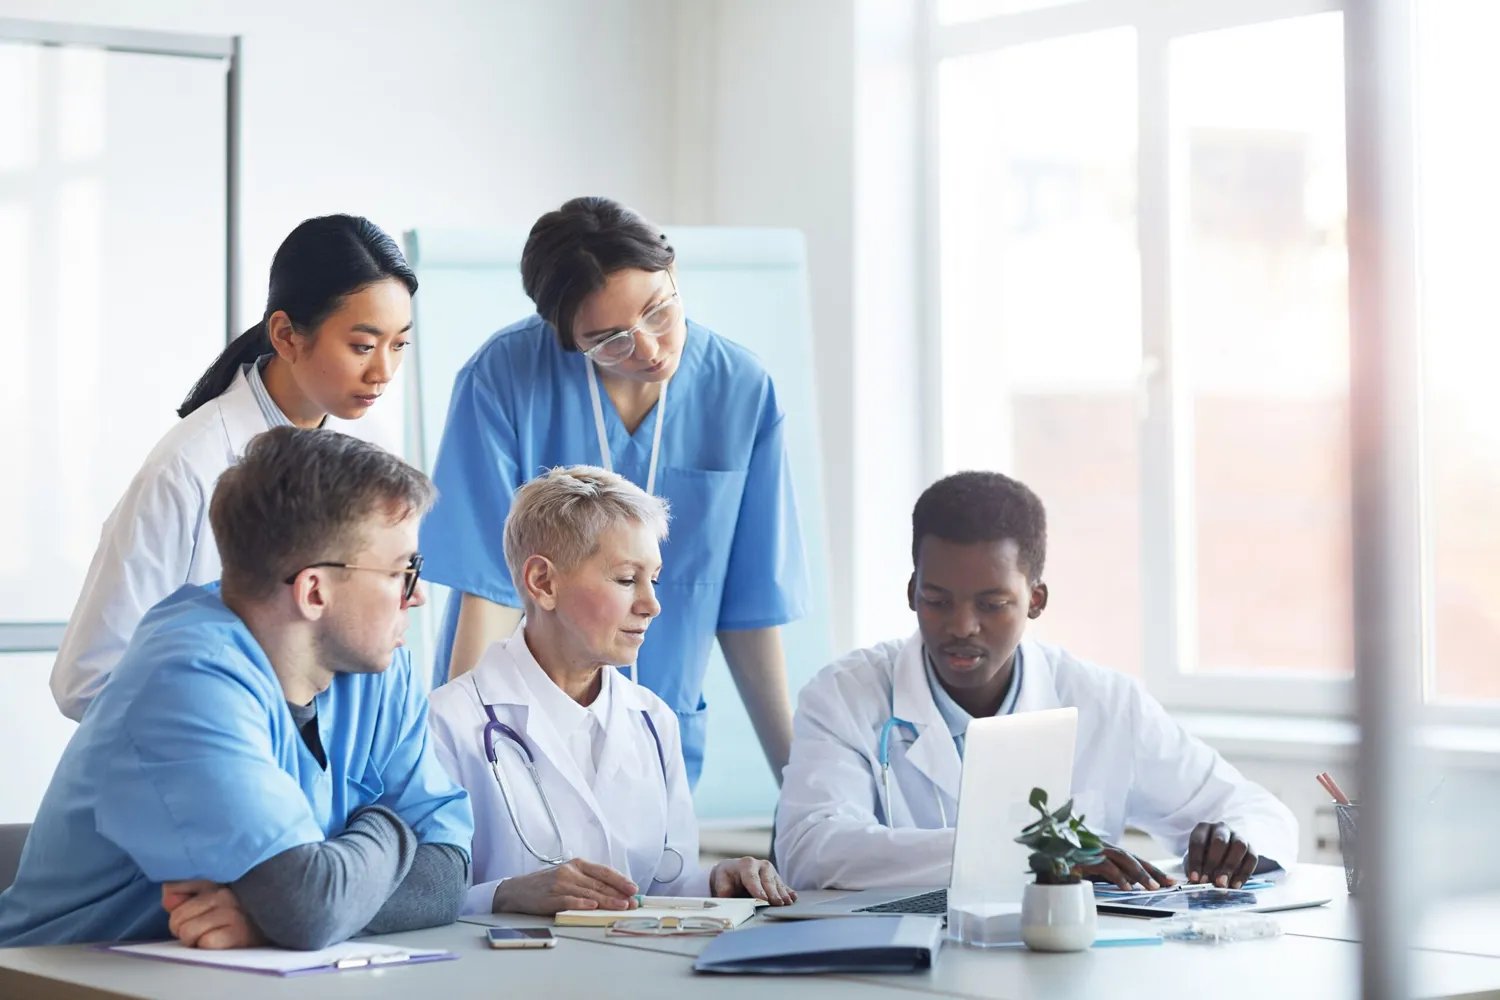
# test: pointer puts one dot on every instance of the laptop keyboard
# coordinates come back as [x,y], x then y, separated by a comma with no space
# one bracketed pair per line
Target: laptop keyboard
[935,901]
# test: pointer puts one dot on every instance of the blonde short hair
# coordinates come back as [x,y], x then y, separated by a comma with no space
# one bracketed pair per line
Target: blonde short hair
[562,513]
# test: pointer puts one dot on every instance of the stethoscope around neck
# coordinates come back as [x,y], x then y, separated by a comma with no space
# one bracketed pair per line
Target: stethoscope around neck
[668,869]
[883,750]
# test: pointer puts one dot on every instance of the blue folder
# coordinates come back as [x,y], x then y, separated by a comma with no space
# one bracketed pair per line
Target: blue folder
[852,944]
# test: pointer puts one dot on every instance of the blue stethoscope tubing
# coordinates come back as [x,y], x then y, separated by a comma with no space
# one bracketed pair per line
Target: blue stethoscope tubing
[883,752]
[885,767]
[494,727]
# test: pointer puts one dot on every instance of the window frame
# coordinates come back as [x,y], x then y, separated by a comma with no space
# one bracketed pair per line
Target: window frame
[1168,528]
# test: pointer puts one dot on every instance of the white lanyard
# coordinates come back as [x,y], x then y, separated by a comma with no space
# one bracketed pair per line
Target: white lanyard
[661,417]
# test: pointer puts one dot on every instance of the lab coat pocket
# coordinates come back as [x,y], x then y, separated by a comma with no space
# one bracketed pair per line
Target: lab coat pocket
[705,509]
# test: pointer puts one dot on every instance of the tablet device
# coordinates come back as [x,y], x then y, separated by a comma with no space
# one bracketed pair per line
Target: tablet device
[1169,903]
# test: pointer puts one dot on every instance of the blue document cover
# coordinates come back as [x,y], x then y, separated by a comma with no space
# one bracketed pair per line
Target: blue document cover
[852,944]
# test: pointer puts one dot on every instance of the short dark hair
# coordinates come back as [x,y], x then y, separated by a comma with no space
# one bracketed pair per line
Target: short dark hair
[298,497]
[983,507]
[571,252]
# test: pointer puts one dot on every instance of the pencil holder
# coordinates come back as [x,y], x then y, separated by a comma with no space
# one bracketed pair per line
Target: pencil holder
[1348,817]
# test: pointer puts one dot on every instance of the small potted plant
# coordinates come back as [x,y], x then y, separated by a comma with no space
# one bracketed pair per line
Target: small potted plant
[1058,911]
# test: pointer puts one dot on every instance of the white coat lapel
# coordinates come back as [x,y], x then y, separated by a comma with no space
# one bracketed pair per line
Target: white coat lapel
[502,681]
[934,753]
[628,746]
[241,415]
[1038,686]
[629,786]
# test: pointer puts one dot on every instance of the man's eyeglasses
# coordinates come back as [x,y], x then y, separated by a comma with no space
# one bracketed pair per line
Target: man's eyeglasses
[413,572]
[661,320]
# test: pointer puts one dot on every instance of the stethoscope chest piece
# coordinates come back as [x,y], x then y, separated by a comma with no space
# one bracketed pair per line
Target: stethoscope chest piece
[671,865]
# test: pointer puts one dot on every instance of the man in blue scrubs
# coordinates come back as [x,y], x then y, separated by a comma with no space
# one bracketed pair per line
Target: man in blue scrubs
[610,372]
[257,768]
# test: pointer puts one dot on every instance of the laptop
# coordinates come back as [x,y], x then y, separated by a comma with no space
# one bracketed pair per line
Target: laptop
[1004,759]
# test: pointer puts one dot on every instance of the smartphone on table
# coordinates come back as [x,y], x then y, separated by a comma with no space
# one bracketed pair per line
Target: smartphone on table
[520,937]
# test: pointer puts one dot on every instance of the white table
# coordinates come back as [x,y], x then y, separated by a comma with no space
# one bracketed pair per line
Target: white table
[573,969]
[1315,958]
[1467,925]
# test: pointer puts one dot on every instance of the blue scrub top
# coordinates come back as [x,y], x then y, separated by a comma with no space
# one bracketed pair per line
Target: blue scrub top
[188,765]
[733,559]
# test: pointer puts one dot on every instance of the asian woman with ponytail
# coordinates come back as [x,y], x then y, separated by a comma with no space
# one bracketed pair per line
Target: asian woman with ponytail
[338,317]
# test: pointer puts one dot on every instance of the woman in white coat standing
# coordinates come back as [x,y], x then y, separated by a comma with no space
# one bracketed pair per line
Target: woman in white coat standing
[979,542]
[338,316]
[574,770]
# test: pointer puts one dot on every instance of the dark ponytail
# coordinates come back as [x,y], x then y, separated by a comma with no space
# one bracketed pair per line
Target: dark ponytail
[317,265]
[570,253]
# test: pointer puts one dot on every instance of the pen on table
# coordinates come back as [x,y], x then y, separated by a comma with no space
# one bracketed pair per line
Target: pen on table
[1113,891]
[380,958]
[672,902]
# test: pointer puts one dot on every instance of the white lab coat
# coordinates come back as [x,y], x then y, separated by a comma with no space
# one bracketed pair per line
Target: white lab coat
[1133,765]
[624,821]
[156,540]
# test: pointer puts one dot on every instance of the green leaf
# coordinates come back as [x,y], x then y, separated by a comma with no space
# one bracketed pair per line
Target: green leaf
[1059,842]
[1059,847]
[1033,827]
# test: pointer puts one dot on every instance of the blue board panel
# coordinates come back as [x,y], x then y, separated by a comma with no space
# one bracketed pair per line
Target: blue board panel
[749,285]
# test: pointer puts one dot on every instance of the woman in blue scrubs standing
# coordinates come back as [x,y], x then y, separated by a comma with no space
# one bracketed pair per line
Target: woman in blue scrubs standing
[610,372]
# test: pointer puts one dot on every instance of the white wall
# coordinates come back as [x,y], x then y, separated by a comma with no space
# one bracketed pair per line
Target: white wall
[766,137]
[456,112]
[452,112]
[803,113]
[894,360]
[488,112]
[34,734]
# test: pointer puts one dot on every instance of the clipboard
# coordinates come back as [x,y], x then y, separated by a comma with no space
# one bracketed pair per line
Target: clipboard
[283,961]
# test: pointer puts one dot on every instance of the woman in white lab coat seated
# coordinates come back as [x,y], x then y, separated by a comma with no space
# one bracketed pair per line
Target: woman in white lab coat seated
[574,770]
[979,545]
[338,316]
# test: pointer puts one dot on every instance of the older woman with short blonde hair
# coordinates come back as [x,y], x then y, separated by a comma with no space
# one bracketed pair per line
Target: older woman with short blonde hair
[576,773]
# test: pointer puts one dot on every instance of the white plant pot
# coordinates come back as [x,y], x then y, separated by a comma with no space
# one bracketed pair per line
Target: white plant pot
[1059,917]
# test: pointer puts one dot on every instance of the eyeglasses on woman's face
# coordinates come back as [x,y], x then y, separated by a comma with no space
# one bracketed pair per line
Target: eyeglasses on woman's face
[658,321]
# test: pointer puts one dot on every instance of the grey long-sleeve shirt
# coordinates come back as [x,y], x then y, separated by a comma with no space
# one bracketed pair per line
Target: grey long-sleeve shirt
[373,878]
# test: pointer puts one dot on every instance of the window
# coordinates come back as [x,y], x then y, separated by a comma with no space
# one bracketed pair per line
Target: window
[1143,312]
[1041,314]
[1458,206]
[1259,328]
